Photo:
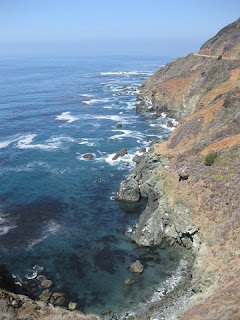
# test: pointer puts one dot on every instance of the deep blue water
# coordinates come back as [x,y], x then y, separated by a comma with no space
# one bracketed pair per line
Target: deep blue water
[52,213]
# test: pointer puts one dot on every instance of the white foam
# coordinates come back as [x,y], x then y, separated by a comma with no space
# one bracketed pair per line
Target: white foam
[127,134]
[57,141]
[6,143]
[166,287]
[163,115]
[86,95]
[125,73]
[164,126]
[175,122]
[125,159]
[51,228]
[113,118]
[92,101]
[5,224]
[25,143]
[107,107]
[31,274]
[66,116]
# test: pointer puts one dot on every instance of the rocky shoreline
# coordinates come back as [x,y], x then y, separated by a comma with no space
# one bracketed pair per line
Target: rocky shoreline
[192,197]
[192,180]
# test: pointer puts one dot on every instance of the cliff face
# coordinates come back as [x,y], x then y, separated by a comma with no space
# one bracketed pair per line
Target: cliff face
[190,201]
[191,83]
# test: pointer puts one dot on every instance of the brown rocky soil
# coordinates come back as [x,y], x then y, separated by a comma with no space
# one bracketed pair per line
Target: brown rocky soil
[189,202]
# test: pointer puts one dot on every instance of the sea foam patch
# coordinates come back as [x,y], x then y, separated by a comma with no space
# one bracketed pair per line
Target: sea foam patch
[86,95]
[66,116]
[25,142]
[92,101]
[127,134]
[51,228]
[5,224]
[125,73]
[6,143]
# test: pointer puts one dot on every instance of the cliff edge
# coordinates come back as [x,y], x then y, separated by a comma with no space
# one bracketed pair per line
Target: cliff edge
[192,181]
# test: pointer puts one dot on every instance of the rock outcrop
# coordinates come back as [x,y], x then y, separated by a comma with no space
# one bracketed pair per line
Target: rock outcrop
[191,203]
[120,154]
[15,306]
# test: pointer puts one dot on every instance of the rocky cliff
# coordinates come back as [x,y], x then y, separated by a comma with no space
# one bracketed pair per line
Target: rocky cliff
[192,181]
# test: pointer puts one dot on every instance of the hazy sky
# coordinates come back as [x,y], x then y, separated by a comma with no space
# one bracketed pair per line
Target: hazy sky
[98,27]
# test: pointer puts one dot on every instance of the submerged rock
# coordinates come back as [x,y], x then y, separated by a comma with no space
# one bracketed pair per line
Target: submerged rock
[121,153]
[136,267]
[106,312]
[128,282]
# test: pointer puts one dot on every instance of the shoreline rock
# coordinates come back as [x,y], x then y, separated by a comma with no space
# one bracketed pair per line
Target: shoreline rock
[120,154]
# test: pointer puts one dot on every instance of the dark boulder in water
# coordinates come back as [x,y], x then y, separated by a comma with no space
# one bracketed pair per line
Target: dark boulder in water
[88,156]
[119,125]
[121,153]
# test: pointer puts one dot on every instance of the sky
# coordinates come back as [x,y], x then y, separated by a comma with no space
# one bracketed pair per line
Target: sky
[111,27]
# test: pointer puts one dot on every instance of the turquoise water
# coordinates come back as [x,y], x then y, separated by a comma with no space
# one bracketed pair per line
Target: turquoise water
[52,212]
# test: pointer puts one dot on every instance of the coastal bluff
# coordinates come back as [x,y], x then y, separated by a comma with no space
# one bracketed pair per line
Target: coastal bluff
[192,181]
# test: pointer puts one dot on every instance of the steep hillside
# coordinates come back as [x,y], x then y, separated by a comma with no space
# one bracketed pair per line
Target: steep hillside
[191,83]
[192,181]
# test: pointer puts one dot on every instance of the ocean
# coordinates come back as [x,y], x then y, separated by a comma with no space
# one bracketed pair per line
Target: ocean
[58,216]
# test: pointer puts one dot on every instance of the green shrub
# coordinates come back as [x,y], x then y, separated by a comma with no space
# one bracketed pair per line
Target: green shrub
[210,158]
[219,58]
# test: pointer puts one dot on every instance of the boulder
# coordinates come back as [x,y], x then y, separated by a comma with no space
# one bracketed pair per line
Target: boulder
[170,124]
[73,306]
[128,282]
[59,301]
[129,190]
[119,126]
[121,153]
[88,156]
[46,283]
[45,295]
[136,267]
[98,181]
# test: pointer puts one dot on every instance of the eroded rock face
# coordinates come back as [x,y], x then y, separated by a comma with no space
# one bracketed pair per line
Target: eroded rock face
[129,190]
[150,228]
[120,154]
